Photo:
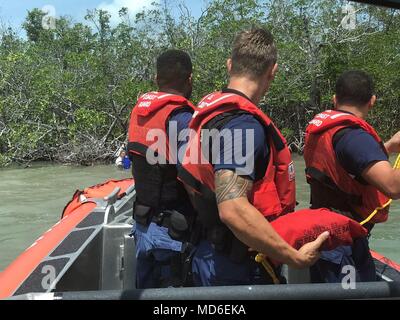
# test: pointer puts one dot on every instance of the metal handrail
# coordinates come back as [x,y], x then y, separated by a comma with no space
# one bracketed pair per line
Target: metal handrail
[371,290]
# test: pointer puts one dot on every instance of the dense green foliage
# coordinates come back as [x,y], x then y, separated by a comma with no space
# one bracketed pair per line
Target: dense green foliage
[66,94]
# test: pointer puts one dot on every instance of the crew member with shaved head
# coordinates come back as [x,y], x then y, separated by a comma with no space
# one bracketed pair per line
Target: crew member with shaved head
[162,210]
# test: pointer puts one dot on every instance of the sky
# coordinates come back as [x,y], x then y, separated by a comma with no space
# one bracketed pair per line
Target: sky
[13,12]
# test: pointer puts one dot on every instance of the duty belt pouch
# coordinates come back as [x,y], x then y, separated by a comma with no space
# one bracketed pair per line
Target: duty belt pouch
[142,214]
[225,242]
[178,225]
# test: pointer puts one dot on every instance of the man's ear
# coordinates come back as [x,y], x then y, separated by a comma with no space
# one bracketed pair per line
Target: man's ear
[156,80]
[334,101]
[229,65]
[191,78]
[274,70]
[271,73]
[372,102]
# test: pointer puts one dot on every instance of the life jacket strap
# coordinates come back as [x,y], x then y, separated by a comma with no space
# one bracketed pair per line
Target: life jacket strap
[322,178]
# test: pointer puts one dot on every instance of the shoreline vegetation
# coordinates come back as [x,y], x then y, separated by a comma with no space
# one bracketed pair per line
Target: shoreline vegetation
[66,92]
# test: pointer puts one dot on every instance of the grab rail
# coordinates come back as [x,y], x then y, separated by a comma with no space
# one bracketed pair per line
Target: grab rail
[371,290]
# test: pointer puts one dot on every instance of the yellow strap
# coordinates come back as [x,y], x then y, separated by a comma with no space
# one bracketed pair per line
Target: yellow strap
[260,258]
[373,214]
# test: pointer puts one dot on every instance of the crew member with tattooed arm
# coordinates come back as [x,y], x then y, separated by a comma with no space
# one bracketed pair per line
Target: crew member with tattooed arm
[250,179]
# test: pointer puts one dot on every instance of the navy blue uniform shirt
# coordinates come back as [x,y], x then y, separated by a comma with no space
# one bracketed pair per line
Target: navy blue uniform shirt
[257,153]
[356,150]
[182,119]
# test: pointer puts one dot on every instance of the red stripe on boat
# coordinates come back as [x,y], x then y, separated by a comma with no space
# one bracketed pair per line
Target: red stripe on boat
[75,212]
[385,260]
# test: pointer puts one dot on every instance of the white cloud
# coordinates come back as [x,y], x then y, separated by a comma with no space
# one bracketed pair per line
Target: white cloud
[114,6]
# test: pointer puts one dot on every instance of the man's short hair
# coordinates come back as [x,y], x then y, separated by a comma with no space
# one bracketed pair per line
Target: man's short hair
[254,51]
[174,68]
[354,88]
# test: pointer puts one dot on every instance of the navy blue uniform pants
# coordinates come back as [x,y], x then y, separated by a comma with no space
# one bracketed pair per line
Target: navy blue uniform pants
[211,268]
[154,251]
[331,267]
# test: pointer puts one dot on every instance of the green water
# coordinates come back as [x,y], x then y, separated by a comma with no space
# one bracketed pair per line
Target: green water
[31,201]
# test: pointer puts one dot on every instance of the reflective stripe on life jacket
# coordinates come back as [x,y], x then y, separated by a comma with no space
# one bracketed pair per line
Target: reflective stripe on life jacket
[273,195]
[319,155]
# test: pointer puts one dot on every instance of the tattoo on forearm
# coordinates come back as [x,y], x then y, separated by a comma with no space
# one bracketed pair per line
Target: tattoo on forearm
[229,186]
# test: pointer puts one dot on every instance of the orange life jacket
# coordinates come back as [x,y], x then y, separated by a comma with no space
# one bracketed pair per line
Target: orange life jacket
[152,112]
[156,180]
[273,195]
[319,155]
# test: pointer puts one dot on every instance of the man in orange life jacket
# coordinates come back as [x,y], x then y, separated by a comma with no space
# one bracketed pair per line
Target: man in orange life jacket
[245,185]
[348,170]
[162,210]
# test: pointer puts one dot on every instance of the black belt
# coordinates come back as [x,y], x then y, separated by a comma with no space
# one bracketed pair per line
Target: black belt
[326,181]
[178,225]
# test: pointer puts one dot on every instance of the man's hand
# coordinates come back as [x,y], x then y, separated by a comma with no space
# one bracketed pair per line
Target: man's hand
[393,145]
[309,253]
[251,227]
